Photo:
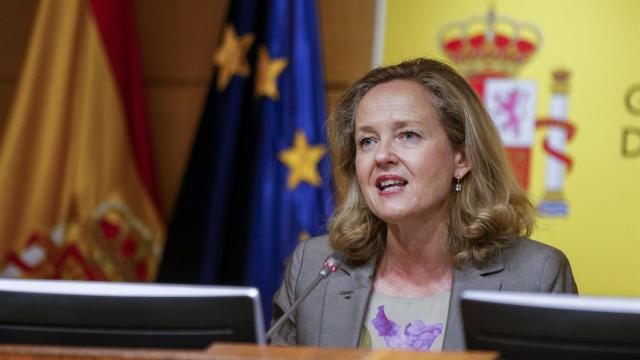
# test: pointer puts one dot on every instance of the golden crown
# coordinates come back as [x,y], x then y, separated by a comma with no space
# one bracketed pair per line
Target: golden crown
[489,46]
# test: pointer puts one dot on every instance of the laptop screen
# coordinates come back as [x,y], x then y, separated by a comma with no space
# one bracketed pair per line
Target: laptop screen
[81,313]
[552,326]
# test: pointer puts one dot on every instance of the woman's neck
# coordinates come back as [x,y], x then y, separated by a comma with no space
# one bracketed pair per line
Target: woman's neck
[416,261]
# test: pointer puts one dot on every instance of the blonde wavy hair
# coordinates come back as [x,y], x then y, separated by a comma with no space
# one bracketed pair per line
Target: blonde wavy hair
[485,216]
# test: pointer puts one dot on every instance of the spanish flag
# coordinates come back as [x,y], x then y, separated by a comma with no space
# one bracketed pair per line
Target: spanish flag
[77,187]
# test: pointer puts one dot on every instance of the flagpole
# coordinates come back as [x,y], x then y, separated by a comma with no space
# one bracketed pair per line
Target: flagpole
[378,33]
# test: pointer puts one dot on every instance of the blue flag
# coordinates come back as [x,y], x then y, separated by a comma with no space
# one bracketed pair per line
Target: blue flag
[294,196]
[258,179]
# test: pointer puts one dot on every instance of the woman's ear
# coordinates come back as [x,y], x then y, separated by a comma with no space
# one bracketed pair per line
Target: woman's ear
[462,166]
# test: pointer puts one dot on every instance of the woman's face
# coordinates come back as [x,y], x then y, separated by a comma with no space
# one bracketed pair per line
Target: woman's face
[404,163]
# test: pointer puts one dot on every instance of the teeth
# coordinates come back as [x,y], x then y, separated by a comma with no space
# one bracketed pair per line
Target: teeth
[387,183]
[390,182]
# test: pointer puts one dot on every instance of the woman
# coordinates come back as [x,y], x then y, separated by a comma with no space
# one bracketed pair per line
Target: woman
[430,208]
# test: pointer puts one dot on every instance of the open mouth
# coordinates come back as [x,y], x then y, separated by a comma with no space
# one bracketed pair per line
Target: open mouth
[390,183]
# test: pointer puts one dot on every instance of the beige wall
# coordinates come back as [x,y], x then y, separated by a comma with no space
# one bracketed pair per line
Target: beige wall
[178,38]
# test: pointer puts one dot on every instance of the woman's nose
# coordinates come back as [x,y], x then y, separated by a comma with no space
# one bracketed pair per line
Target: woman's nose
[385,153]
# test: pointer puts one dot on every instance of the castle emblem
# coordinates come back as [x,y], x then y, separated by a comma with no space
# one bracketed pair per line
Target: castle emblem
[490,51]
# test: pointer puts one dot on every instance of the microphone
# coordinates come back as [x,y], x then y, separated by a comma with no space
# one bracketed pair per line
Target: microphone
[331,265]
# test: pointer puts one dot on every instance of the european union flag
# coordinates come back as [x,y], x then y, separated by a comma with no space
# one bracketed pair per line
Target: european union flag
[258,179]
[294,196]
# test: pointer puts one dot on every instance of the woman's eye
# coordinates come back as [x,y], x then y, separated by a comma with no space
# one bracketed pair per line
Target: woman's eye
[409,135]
[366,142]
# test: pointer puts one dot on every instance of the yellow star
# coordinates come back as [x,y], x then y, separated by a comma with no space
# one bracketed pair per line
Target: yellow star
[268,71]
[302,161]
[304,236]
[231,56]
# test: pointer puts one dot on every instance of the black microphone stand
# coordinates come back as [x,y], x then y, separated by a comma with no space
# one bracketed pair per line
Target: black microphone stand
[331,265]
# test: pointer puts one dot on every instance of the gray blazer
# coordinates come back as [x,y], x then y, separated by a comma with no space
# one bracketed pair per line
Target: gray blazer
[333,313]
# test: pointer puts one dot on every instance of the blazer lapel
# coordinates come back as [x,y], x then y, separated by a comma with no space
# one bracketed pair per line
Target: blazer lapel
[347,296]
[465,278]
[348,292]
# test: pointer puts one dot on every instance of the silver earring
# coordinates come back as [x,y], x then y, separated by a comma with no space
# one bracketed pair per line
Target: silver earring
[458,186]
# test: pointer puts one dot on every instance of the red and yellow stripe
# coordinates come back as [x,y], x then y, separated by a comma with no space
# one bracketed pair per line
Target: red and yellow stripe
[77,186]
